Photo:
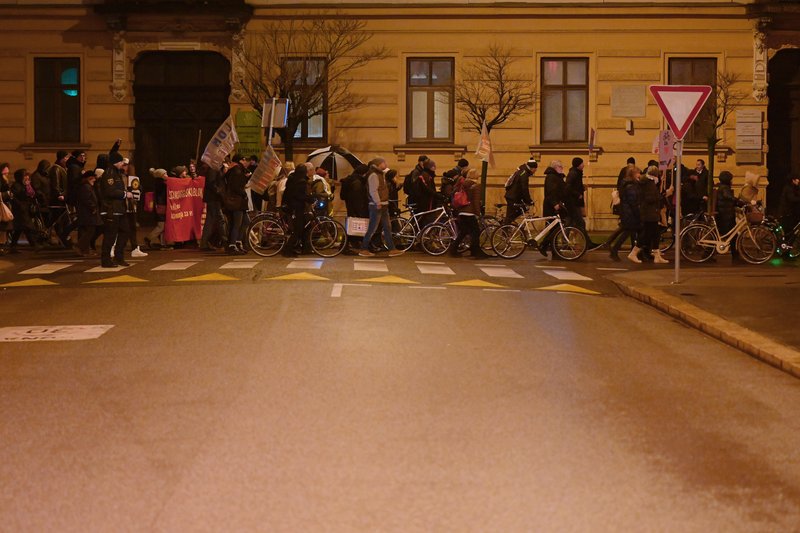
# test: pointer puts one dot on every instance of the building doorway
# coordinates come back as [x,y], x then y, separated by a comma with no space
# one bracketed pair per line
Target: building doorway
[178,95]
[783,116]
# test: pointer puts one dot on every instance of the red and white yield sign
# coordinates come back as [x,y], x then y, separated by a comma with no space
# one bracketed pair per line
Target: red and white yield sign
[680,104]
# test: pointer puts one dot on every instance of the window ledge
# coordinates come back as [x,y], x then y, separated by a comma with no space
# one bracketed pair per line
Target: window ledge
[427,148]
[537,150]
[29,149]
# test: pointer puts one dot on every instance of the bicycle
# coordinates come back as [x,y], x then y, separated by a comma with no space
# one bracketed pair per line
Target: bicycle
[269,232]
[510,240]
[47,232]
[756,243]
[667,235]
[406,232]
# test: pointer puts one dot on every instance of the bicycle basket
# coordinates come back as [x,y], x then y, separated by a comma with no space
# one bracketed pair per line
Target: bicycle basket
[754,214]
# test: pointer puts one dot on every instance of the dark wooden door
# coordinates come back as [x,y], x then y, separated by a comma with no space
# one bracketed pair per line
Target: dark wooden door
[178,94]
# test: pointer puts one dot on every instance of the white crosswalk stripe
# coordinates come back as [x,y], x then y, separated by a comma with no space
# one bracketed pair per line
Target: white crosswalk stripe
[370,265]
[439,270]
[176,265]
[499,272]
[566,275]
[311,264]
[240,264]
[47,268]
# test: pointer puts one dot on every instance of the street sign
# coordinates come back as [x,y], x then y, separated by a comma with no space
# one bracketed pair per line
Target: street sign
[680,104]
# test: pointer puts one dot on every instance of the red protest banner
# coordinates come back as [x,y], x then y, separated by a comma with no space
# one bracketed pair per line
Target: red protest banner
[184,209]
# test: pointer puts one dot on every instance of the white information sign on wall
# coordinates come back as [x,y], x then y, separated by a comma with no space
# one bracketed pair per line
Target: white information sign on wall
[52,333]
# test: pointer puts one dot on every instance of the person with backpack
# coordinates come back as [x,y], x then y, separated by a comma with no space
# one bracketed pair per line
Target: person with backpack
[410,182]
[450,177]
[518,191]
[467,201]
[426,194]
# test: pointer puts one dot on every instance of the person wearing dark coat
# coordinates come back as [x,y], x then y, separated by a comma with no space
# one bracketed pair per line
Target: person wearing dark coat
[468,216]
[576,199]
[449,177]
[425,192]
[725,204]
[214,224]
[113,194]
[555,191]
[235,203]
[89,220]
[394,189]
[691,193]
[353,192]
[23,197]
[789,206]
[517,190]
[294,202]
[630,217]
[650,214]
[41,184]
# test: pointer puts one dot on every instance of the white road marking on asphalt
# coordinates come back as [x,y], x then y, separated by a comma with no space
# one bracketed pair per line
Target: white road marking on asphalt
[439,269]
[195,259]
[619,269]
[52,333]
[103,270]
[499,272]
[370,266]
[336,292]
[426,287]
[314,264]
[175,265]
[47,268]
[548,266]
[490,264]
[567,275]
[238,263]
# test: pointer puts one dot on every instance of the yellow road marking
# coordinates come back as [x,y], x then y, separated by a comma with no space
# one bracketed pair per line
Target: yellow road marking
[299,276]
[33,282]
[119,279]
[210,277]
[475,283]
[390,279]
[566,287]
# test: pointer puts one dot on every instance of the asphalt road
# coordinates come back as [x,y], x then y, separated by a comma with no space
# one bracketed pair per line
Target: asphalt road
[350,404]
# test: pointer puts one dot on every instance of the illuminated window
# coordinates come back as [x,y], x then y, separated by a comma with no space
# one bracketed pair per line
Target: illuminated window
[565,100]
[430,99]
[307,73]
[57,108]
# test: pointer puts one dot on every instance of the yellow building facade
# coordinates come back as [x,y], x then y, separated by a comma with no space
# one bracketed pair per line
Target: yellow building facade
[161,75]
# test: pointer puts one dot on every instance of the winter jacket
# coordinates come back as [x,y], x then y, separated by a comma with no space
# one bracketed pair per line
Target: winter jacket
[649,200]
[41,184]
[159,198]
[88,206]
[74,179]
[555,191]
[58,183]
[630,217]
[235,194]
[726,202]
[518,186]
[353,192]
[212,186]
[574,188]
[295,194]
[113,192]
[790,201]
[21,203]
[473,195]
[425,191]
[378,190]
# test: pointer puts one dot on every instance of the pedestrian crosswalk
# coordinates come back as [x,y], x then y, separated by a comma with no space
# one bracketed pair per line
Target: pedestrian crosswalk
[457,273]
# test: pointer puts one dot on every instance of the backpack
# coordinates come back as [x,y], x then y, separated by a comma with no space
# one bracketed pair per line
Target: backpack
[510,186]
[408,184]
[460,198]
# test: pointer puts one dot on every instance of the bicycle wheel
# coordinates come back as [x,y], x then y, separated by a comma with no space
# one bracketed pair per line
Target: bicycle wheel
[569,243]
[266,236]
[403,233]
[756,244]
[666,239]
[436,238]
[327,238]
[691,247]
[508,241]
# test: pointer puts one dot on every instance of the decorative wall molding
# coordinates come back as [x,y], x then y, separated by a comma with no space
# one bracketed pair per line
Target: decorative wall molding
[119,67]
[760,60]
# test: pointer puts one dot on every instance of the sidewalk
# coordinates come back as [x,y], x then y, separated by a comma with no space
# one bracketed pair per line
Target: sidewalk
[752,308]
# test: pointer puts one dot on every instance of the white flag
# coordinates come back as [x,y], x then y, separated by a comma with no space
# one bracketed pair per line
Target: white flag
[484,150]
[221,144]
[266,171]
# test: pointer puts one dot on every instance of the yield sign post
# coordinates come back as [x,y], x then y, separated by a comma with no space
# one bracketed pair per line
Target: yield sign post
[680,105]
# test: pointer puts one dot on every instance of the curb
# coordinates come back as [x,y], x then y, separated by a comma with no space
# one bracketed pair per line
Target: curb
[762,348]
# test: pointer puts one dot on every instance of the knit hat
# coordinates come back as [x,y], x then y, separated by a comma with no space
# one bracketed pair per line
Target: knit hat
[177,171]
[114,158]
[99,172]
[61,154]
[158,173]
[631,161]
[463,163]
[532,163]
[725,177]
[422,158]
[576,162]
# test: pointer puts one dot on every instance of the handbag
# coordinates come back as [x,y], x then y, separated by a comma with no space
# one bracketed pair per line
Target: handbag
[5,213]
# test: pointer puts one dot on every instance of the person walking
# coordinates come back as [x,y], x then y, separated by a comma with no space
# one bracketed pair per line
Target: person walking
[789,205]
[468,216]
[725,203]
[153,239]
[113,195]
[22,199]
[354,194]
[294,203]
[649,212]
[555,191]
[378,208]
[630,218]
[88,208]
[234,201]
[214,226]
[517,190]
[576,198]
[450,177]
[58,192]
[5,197]
[410,181]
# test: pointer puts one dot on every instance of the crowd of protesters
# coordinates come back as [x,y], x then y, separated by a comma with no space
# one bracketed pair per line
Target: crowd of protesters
[106,204]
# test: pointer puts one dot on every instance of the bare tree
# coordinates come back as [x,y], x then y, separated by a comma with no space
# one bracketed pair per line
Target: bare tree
[724,101]
[311,61]
[489,91]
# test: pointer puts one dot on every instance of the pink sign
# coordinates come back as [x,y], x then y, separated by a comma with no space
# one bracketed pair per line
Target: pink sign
[184,209]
